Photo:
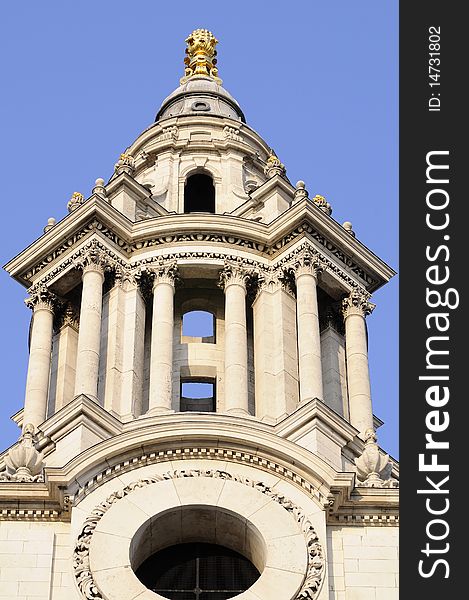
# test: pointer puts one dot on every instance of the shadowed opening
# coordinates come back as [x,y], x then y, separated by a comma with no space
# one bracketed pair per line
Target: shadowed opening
[199,194]
[198,396]
[198,571]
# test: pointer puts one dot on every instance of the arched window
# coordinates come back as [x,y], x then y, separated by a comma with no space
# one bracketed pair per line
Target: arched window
[199,324]
[199,194]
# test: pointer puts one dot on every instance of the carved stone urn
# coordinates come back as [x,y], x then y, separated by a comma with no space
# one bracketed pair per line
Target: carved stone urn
[23,460]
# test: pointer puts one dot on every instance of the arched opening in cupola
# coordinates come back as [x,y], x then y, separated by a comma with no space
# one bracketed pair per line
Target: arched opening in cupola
[199,194]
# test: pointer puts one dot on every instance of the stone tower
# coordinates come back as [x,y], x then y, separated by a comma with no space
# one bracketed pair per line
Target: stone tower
[126,485]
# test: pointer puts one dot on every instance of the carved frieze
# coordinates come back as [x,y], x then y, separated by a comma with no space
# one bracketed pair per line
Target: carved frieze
[216,238]
[232,133]
[170,133]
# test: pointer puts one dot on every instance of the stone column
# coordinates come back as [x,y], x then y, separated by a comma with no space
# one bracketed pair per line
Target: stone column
[133,349]
[64,358]
[233,280]
[275,347]
[355,308]
[161,355]
[92,263]
[37,382]
[306,270]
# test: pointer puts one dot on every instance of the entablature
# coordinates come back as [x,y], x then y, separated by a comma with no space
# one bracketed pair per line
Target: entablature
[173,233]
[186,436]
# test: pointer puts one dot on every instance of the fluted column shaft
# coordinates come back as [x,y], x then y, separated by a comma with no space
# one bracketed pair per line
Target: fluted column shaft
[355,308]
[309,338]
[233,281]
[37,382]
[89,335]
[161,357]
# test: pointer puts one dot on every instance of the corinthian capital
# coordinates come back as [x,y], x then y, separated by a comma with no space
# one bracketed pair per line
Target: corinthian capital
[270,279]
[235,273]
[92,258]
[357,303]
[162,271]
[307,262]
[41,298]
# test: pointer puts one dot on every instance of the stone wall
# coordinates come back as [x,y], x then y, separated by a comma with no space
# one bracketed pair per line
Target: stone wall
[363,563]
[35,561]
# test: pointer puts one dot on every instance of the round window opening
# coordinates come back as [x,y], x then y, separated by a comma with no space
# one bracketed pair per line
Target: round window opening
[197,552]
[197,571]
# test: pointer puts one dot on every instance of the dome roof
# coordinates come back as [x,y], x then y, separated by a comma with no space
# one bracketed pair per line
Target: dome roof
[200,95]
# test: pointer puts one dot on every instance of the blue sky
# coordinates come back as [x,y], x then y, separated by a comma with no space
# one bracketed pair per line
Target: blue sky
[318,80]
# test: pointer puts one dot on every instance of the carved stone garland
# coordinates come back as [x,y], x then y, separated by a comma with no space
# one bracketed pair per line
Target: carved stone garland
[81,560]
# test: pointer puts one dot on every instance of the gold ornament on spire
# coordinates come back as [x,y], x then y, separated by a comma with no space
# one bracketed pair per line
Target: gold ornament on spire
[201,53]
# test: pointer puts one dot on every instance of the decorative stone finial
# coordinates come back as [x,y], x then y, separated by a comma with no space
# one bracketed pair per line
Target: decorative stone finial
[322,203]
[50,223]
[300,191]
[99,188]
[274,166]
[373,468]
[23,461]
[348,228]
[75,201]
[201,53]
[125,164]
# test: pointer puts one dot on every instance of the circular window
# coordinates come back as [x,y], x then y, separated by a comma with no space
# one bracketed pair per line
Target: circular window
[197,571]
[197,553]
[195,537]
[199,105]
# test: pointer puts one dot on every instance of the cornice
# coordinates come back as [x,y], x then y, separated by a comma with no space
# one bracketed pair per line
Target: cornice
[271,241]
[81,410]
[125,180]
[368,507]
[273,182]
[312,414]
[182,436]
[93,215]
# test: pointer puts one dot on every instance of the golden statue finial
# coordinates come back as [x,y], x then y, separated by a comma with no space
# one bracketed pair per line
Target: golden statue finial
[201,53]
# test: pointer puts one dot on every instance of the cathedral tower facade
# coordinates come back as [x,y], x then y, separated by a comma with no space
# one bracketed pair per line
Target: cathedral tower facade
[198,419]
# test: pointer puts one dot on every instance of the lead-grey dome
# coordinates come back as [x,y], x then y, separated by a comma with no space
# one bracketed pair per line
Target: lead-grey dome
[200,95]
